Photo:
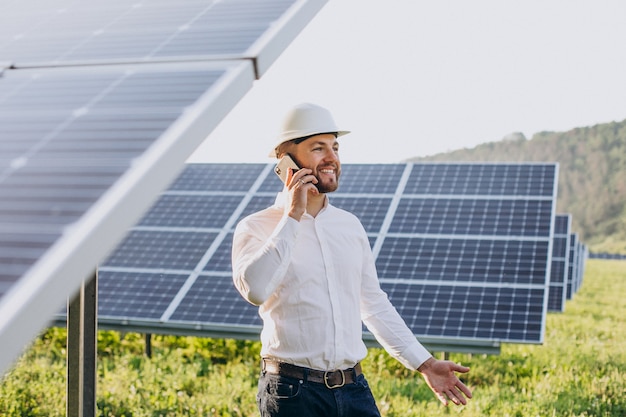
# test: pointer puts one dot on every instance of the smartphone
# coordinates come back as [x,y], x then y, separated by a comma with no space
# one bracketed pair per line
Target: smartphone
[282,168]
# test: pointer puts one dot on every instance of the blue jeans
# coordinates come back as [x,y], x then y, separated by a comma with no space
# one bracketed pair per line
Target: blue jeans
[280,396]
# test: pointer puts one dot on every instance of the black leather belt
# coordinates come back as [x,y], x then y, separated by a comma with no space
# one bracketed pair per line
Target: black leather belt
[331,379]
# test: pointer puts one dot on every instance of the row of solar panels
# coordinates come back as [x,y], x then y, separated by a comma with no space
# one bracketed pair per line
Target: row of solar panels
[568,263]
[472,255]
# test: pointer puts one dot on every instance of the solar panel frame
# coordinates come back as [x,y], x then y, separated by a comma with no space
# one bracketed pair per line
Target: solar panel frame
[34,270]
[444,179]
[79,33]
[48,274]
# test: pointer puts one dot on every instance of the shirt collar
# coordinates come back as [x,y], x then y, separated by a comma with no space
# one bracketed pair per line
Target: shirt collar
[281,200]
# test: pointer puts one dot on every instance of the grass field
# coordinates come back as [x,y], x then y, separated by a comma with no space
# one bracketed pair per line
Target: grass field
[579,371]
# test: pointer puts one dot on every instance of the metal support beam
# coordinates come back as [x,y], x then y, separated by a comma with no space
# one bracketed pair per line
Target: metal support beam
[82,342]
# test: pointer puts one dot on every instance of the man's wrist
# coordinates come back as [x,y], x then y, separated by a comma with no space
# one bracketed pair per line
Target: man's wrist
[427,364]
[295,216]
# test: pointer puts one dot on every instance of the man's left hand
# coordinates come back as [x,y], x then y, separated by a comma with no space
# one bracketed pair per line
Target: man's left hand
[441,378]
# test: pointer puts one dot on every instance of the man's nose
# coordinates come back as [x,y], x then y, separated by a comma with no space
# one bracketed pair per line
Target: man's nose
[331,156]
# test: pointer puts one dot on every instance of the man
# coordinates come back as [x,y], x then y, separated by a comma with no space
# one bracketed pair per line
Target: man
[309,267]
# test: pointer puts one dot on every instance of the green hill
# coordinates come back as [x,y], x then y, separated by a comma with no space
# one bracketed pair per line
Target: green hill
[592,176]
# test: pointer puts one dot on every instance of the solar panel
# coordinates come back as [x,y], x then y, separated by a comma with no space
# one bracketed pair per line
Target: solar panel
[482,179]
[463,269]
[37,33]
[584,254]
[560,263]
[69,135]
[464,260]
[581,256]
[572,273]
[119,296]
[481,230]
[100,105]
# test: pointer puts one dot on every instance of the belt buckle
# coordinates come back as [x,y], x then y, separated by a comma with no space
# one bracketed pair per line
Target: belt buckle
[343,379]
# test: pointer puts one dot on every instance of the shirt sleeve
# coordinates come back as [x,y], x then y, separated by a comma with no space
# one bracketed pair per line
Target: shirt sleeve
[261,257]
[384,321]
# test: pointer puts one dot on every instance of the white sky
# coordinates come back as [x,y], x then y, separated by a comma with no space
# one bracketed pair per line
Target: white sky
[414,78]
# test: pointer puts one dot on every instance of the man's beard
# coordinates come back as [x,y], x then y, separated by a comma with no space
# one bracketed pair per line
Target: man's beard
[327,187]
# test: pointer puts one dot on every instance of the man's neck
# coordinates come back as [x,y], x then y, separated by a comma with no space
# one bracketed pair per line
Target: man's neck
[315,204]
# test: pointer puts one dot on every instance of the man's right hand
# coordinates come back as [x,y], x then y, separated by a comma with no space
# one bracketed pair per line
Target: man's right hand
[299,185]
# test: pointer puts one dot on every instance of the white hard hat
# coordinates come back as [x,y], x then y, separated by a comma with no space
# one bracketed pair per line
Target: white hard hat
[304,120]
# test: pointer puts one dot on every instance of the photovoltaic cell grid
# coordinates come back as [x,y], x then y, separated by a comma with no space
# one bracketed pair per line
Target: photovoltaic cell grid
[513,180]
[560,263]
[189,229]
[572,274]
[69,32]
[583,254]
[458,225]
[464,267]
[67,135]
[577,258]
[100,105]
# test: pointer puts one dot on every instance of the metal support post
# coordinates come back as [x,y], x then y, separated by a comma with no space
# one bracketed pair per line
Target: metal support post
[82,342]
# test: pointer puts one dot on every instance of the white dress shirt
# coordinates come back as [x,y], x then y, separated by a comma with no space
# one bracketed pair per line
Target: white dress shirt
[315,281]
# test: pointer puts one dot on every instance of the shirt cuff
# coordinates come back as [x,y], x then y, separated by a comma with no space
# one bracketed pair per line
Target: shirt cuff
[414,356]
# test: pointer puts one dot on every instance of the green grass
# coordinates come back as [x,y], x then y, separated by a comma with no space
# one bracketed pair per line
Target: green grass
[580,370]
